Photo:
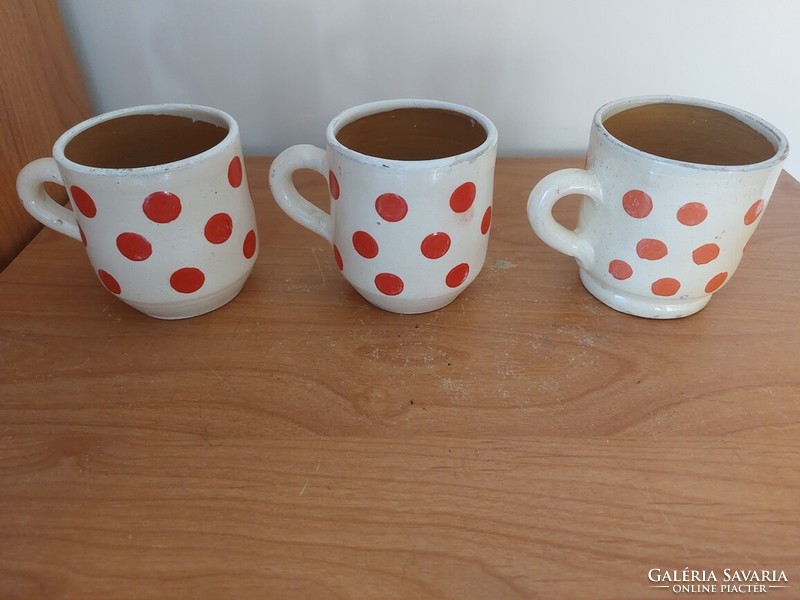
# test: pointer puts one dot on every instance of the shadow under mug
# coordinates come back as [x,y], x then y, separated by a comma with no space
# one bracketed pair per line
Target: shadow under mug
[159,199]
[410,189]
[672,191]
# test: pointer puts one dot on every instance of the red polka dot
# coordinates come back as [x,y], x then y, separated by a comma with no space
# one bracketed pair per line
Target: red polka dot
[457,275]
[162,207]
[753,212]
[338,257]
[219,228]
[665,287]
[650,249]
[486,221]
[716,282]
[462,198]
[391,207]
[435,245]
[83,235]
[134,246]
[187,280]
[389,284]
[705,254]
[112,285]
[235,172]
[692,213]
[333,184]
[637,203]
[249,246]
[619,269]
[83,202]
[365,244]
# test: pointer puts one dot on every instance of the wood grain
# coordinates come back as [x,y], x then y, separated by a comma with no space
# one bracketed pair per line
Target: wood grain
[524,442]
[41,95]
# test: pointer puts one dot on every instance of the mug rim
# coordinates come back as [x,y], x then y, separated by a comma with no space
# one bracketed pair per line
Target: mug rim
[766,129]
[354,113]
[208,114]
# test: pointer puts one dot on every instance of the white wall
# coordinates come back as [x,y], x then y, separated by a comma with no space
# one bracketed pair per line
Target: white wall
[537,68]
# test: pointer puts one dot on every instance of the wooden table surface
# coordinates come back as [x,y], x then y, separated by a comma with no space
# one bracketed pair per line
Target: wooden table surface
[524,442]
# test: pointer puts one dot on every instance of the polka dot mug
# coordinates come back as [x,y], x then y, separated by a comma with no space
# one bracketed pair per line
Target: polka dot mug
[410,185]
[159,199]
[672,191]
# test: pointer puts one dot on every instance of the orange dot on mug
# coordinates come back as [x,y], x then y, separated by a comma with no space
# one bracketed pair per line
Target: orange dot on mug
[457,275]
[637,203]
[134,246]
[218,228]
[486,221]
[462,198]
[108,280]
[716,282]
[619,269]
[435,245]
[391,207]
[250,243]
[650,249]
[705,254]
[692,213]
[666,286]
[333,185]
[235,172]
[389,284]
[187,280]
[83,202]
[365,244]
[338,258]
[753,212]
[162,207]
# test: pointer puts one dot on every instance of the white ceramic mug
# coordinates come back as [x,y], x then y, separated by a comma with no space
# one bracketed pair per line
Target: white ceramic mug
[159,199]
[673,189]
[410,184]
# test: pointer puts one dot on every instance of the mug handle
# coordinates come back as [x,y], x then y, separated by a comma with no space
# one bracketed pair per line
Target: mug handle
[540,210]
[302,156]
[30,188]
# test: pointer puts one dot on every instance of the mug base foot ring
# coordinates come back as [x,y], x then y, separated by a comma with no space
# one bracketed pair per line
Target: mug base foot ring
[640,306]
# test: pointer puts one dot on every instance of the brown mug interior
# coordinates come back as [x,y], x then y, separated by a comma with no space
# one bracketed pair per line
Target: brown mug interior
[147,140]
[690,133]
[413,134]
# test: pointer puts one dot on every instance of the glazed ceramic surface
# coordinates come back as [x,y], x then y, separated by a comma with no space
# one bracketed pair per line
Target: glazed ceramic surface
[159,199]
[661,229]
[410,214]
